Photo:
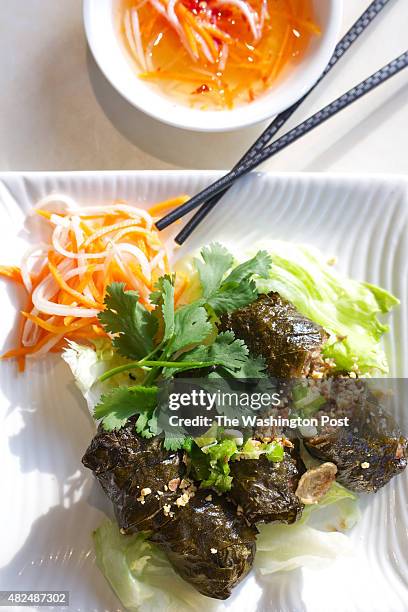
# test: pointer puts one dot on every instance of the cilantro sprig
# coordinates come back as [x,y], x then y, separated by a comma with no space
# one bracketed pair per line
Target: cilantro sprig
[225,292]
[166,340]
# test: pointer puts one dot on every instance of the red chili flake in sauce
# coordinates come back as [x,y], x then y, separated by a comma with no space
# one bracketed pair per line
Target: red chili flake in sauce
[202,89]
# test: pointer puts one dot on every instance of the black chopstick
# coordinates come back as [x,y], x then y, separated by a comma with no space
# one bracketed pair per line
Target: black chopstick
[372,11]
[351,36]
[312,122]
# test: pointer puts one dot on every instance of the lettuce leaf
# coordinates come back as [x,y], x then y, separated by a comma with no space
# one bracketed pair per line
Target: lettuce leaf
[87,363]
[141,575]
[287,547]
[347,309]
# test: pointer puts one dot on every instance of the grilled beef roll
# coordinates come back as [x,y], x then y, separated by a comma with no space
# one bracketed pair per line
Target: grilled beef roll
[272,328]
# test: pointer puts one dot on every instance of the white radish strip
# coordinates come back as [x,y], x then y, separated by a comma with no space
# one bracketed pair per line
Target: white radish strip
[31,331]
[132,211]
[37,250]
[158,6]
[56,243]
[149,55]
[60,221]
[56,198]
[154,246]
[223,56]
[139,255]
[171,13]
[108,261]
[46,347]
[169,251]
[157,259]
[79,237]
[129,35]
[264,14]
[41,300]
[173,20]
[138,38]
[108,229]
[88,294]
[79,234]
[204,47]
[251,17]
[79,271]
[42,295]
[130,230]
[134,281]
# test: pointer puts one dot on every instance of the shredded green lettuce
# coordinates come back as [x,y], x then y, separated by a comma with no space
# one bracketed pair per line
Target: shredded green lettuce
[141,575]
[347,309]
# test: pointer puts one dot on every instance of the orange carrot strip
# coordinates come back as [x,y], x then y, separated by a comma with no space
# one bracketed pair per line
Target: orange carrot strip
[111,228]
[217,33]
[158,208]
[65,287]
[55,329]
[190,38]
[198,28]
[28,350]
[44,213]
[12,273]
[278,65]
[172,76]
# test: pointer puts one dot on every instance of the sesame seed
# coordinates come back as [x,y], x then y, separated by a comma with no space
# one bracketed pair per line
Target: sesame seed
[183,499]
[173,484]
[213,551]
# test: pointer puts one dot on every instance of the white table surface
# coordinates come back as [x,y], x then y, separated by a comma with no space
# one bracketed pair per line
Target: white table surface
[57,111]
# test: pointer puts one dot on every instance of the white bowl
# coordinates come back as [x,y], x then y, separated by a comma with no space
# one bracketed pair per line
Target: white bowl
[103,39]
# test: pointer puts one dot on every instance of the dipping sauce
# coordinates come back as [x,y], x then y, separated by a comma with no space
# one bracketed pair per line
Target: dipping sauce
[215,54]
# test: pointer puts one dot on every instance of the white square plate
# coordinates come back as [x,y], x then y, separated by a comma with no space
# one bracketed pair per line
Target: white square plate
[50,504]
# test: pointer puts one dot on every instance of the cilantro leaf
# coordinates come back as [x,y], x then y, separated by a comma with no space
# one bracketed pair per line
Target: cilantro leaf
[225,351]
[174,441]
[164,300]
[253,368]
[231,296]
[216,263]
[125,316]
[259,265]
[223,293]
[190,327]
[116,407]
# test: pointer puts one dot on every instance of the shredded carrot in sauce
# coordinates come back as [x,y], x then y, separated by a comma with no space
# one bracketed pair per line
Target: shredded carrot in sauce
[216,54]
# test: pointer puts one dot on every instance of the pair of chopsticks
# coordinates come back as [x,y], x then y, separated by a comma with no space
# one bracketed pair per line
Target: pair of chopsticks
[261,150]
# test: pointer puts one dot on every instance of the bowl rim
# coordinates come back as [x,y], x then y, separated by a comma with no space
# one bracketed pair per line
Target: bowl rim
[225,120]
